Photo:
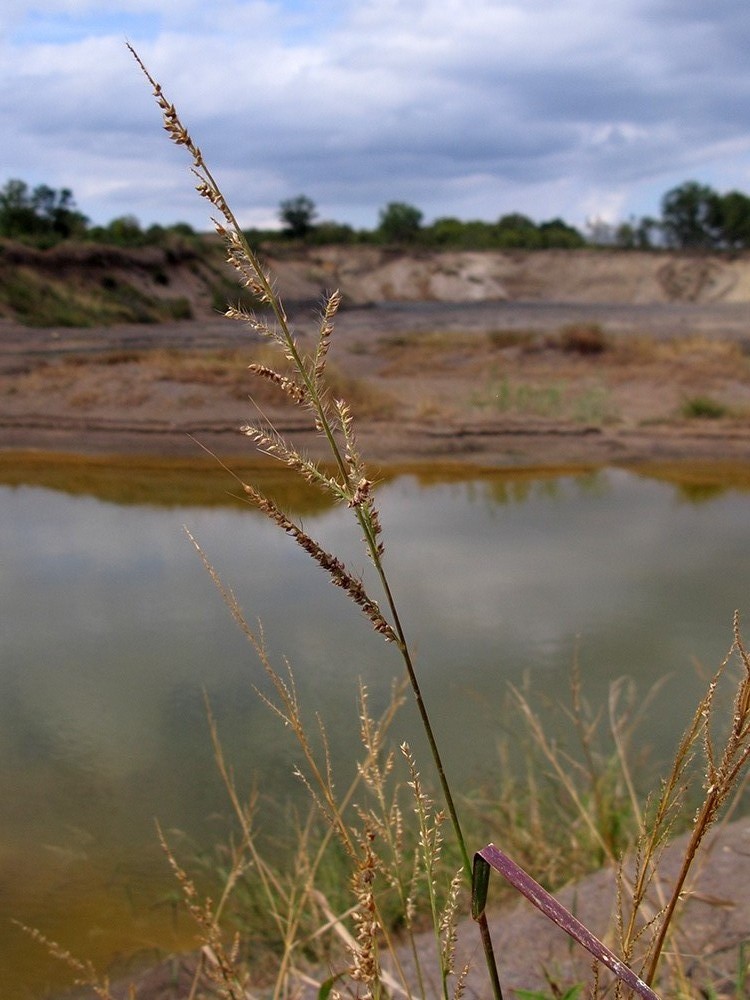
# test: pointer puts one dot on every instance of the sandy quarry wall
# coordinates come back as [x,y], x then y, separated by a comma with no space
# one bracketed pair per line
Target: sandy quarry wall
[370,274]
[367,274]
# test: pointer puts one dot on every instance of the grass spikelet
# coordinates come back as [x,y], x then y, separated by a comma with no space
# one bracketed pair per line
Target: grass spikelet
[324,335]
[339,575]
[365,967]
[253,321]
[85,973]
[460,986]
[296,392]
[372,736]
[447,926]
[430,843]
[268,441]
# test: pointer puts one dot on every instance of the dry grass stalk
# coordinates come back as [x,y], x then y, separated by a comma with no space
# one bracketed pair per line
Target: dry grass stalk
[84,972]
[293,902]
[725,760]
[430,824]
[374,839]
[582,782]
[603,788]
[220,965]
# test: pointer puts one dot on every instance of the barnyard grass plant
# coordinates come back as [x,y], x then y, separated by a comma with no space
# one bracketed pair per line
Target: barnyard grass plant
[303,381]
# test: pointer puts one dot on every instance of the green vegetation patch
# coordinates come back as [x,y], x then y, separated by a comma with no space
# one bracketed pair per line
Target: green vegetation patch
[39,301]
[591,405]
[703,408]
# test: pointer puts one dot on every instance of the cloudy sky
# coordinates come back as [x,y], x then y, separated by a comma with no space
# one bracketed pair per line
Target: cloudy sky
[574,108]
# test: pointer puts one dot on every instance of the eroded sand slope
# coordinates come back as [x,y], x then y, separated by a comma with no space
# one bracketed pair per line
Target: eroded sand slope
[371,274]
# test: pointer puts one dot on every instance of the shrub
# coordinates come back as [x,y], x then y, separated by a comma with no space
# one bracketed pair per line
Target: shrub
[502,339]
[703,408]
[583,338]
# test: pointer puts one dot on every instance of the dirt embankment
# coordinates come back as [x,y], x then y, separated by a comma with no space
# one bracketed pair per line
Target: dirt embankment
[367,274]
[83,285]
[86,284]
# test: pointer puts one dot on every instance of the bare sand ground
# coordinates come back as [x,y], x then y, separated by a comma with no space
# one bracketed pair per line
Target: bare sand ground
[490,384]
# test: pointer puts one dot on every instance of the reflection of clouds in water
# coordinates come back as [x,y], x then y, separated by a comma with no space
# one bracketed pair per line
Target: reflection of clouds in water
[113,597]
[115,627]
[555,566]
[123,612]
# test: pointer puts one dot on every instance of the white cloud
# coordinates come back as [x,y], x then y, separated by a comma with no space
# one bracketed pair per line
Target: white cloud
[465,110]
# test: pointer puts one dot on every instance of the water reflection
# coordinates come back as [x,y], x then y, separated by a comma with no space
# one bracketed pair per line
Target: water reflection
[112,631]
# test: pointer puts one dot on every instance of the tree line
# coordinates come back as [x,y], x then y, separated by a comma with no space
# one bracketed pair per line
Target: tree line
[402,224]
[693,217]
[44,216]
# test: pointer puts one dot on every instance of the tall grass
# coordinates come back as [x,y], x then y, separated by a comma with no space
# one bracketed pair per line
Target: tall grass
[408,857]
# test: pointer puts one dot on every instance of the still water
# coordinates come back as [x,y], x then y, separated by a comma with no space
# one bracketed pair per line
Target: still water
[112,631]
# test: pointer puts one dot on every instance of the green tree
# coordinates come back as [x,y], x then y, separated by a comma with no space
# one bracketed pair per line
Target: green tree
[399,222]
[558,234]
[57,209]
[125,231]
[446,231]
[182,229]
[690,216]
[625,235]
[647,233]
[517,230]
[328,233]
[472,235]
[41,213]
[479,235]
[17,215]
[297,216]
[637,234]
[732,220]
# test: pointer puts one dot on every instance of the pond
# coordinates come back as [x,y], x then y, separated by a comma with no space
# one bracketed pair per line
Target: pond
[112,632]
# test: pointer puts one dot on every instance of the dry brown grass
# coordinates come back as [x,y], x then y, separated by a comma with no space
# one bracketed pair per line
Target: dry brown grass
[87,399]
[633,378]
[705,354]
[228,370]
[583,338]
[131,379]
[436,352]
[503,340]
